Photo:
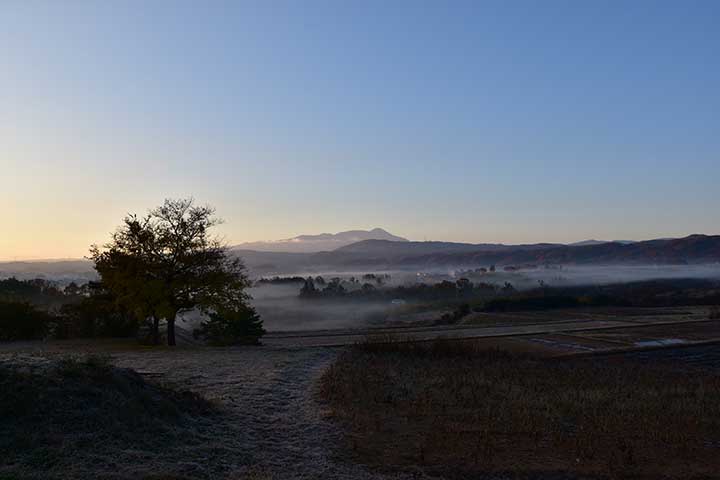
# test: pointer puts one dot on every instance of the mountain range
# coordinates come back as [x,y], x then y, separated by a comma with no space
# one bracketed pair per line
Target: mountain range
[387,255]
[693,249]
[320,243]
[354,251]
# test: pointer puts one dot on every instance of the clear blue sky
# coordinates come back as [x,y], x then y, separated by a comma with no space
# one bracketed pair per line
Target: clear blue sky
[478,121]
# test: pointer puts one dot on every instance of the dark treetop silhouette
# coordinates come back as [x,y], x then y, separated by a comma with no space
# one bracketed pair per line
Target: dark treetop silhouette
[167,262]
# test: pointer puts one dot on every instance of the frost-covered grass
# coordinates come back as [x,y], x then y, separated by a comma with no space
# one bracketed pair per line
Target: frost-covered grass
[258,418]
[63,414]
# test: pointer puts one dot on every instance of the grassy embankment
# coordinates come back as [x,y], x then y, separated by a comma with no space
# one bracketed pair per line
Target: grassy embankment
[68,418]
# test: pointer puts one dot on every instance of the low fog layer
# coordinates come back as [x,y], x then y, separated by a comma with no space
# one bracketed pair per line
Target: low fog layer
[283,310]
[603,275]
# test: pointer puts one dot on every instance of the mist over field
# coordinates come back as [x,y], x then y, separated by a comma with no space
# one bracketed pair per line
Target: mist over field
[603,275]
[283,310]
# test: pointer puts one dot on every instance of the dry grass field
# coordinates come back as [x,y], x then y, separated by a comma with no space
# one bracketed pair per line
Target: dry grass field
[452,408]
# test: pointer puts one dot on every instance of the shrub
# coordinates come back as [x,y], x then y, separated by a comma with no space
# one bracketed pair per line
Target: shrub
[96,316]
[21,321]
[232,327]
[458,314]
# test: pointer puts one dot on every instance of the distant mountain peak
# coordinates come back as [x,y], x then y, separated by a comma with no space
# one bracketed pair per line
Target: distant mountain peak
[322,242]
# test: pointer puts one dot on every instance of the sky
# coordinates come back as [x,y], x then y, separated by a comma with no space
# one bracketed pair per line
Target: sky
[478,121]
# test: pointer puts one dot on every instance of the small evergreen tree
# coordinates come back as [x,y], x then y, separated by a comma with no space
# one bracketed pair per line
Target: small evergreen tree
[235,326]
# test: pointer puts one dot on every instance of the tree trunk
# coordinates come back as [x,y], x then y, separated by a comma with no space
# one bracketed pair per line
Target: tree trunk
[171,330]
[156,330]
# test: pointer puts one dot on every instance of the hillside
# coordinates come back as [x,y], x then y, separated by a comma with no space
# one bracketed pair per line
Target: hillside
[384,247]
[419,255]
[688,250]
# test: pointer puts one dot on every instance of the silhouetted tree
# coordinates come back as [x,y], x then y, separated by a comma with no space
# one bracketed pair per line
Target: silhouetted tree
[37,291]
[464,287]
[308,289]
[72,289]
[334,287]
[167,262]
[96,315]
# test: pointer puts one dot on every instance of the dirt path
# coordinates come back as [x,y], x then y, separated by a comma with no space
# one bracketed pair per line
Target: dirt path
[273,425]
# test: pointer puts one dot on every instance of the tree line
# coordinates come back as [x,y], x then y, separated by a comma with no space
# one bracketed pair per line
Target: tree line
[444,290]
